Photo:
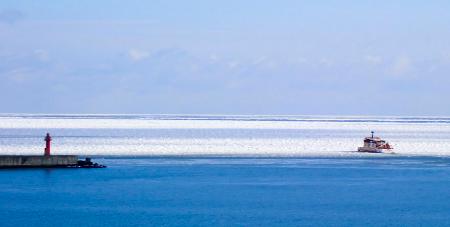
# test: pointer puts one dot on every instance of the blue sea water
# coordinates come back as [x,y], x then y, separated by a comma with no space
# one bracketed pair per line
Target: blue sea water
[208,191]
[183,170]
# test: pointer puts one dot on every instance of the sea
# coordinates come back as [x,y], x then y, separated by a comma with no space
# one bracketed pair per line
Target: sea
[213,170]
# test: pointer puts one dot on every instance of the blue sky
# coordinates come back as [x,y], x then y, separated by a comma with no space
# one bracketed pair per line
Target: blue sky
[225,57]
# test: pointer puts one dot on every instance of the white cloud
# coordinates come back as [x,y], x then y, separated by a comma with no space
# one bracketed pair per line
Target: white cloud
[137,55]
[401,66]
[213,57]
[373,59]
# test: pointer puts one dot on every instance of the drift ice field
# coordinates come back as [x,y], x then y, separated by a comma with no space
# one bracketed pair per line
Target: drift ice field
[211,135]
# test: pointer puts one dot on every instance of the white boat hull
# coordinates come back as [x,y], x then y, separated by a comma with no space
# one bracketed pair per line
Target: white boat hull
[370,150]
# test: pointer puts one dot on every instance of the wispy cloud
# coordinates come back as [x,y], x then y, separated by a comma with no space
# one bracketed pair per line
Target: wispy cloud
[373,59]
[137,55]
[401,66]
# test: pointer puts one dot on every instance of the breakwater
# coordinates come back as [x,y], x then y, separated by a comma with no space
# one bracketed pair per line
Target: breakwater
[10,161]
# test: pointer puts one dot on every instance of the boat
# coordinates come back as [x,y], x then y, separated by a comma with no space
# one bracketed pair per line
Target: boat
[375,144]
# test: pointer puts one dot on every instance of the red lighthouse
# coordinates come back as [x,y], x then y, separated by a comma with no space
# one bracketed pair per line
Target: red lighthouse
[48,139]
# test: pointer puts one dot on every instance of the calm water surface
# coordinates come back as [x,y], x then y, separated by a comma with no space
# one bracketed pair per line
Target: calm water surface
[201,191]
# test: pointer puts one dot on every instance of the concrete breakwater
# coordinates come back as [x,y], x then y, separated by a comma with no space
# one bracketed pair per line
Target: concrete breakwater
[7,161]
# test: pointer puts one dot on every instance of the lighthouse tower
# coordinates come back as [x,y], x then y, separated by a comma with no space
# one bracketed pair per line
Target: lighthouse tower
[48,140]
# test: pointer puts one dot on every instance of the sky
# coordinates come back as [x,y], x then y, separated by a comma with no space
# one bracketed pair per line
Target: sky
[336,57]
